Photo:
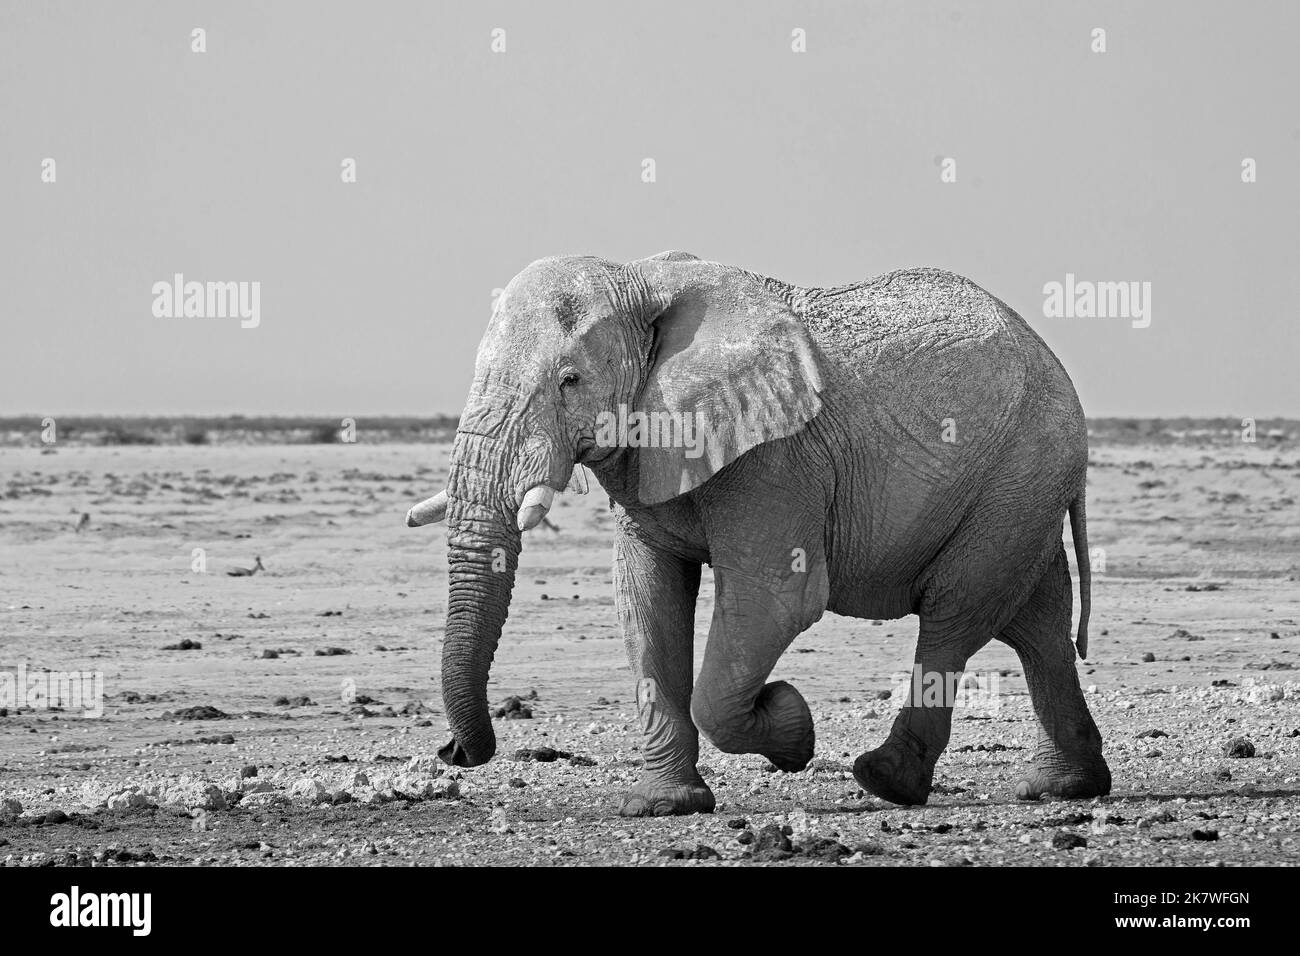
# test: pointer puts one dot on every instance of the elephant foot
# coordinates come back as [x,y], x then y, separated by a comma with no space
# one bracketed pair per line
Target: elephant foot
[892,772]
[1052,778]
[901,770]
[793,725]
[652,797]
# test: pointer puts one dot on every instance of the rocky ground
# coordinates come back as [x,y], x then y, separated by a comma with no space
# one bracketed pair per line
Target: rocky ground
[292,717]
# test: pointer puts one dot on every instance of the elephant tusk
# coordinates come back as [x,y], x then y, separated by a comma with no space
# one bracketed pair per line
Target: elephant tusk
[430,511]
[535,505]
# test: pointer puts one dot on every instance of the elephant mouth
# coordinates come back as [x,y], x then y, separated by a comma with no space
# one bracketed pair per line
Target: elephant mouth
[589,453]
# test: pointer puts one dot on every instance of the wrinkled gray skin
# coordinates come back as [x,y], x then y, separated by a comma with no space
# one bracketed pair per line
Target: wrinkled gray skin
[842,494]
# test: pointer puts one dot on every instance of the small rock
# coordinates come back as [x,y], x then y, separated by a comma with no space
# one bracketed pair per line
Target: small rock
[739,823]
[824,848]
[128,800]
[542,755]
[771,843]
[247,772]
[1239,747]
[422,763]
[1064,840]
[310,789]
[201,712]
[261,798]
[513,709]
[1148,658]
[301,701]
[1205,835]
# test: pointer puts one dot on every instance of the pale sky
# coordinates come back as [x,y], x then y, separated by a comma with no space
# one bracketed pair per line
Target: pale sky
[819,168]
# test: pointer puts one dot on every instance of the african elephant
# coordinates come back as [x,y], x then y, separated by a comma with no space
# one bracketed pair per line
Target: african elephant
[901,445]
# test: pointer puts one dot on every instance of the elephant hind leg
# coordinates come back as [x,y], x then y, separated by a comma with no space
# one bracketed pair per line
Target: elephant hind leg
[901,770]
[1068,761]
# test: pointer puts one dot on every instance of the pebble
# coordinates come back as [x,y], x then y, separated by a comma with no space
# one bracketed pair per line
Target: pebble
[1239,747]
[1064,840]
[309,788]
[201,712]
[422,763]
[772,843]
[701,852]
[129,800]
[825,848]
[513,709]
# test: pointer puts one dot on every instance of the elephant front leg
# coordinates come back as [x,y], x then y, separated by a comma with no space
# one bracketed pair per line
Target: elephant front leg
[755,618]
[655,596]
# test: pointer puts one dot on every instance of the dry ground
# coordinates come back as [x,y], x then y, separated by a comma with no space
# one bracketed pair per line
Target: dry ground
[327,522]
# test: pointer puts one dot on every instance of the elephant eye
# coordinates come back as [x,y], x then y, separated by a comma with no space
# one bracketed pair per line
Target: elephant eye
[569,378]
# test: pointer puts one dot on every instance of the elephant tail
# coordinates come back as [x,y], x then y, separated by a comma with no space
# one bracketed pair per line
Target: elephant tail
[1079,531]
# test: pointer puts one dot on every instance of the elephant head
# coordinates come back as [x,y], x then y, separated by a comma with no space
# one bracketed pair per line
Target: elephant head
[575,347]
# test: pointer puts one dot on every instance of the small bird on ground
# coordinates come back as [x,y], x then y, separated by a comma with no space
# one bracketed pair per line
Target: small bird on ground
[247,572]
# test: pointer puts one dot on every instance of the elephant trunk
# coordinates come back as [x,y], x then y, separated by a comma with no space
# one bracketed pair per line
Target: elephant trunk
[483,552]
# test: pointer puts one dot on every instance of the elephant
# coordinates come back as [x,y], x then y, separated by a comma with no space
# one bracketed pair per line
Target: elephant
[901,445]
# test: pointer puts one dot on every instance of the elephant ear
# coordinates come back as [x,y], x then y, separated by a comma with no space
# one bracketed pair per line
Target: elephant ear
[731,367]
